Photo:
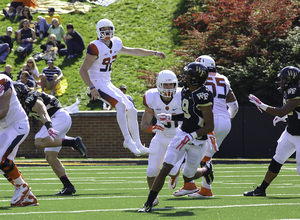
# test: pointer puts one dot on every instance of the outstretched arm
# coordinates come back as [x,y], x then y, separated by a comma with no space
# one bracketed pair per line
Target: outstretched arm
[141,52]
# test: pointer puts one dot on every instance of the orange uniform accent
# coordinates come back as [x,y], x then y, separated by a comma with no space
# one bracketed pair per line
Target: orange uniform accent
[206,159]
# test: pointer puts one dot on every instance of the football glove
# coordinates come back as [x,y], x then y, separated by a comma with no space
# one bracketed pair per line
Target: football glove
[163,117]
[212,141]
[156,128]
[258,103]
[278,119]
[52,133]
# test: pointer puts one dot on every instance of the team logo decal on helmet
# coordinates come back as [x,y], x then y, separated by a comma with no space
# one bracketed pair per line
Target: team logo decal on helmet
[208,62]
[289,76]
[101,32]
[166,76]
[196,74]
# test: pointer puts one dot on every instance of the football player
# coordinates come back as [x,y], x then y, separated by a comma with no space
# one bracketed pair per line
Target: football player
[52,136]
[191,136]
[166,98]
[225,108]
[14,128]
[96,73]
[289,141]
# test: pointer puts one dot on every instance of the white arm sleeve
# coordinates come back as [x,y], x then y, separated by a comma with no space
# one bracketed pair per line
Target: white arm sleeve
[233,108]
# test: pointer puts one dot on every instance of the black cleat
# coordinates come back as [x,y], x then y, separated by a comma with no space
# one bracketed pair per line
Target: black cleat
[146,208]
[256,192]
[66,191]
[79,146]
[209,174]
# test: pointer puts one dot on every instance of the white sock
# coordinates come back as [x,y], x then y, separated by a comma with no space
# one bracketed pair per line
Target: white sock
[133,124]
[121,118]
[19,180]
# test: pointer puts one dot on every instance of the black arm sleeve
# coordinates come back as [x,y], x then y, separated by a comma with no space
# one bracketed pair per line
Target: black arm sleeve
[178,117]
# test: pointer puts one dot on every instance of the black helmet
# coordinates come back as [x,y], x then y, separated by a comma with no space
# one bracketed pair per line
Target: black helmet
[197,73]
[21,90]
[291,75]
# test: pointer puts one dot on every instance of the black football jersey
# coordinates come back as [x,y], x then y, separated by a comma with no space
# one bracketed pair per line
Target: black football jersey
[51,102]
[191,103]
[293,119]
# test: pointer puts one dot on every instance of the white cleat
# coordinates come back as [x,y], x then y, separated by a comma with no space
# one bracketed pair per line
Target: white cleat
[29,200]
[131,146]
[173,182]
[21,192]
[142,148]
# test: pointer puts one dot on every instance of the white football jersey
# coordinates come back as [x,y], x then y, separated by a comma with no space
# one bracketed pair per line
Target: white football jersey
[16,112]
[101,68]
[153,100]
[219,85]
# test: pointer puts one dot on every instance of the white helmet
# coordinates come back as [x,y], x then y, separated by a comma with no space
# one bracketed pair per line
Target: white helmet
[207,61]
[102,34]
[166,76]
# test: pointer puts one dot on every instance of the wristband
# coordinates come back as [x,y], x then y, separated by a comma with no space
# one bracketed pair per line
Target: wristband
[48,124]
[155,52]
[26,40]
[92,87]
[194,134]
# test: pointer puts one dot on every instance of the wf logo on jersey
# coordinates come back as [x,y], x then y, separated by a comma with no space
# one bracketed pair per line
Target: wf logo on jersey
[203,96]
[292,91]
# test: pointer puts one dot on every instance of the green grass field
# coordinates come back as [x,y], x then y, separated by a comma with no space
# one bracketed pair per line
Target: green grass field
[117,192]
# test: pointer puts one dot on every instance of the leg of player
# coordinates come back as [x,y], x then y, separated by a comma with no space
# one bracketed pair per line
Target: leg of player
[122,121]
[59,170]
[133,127]
[75,143]
[22,189]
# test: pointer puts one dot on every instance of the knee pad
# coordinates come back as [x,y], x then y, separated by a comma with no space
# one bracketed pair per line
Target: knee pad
[275,166]
[152,171]
[7,166]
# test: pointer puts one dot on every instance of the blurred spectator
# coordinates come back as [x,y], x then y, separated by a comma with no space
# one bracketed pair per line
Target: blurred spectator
[7,71]
[24,78]
[6,45]
[50,49]
[123,88]
[59,32]
[51,76]
[25,14]
[17,5]
[45,23]
[74,42]
[32,69]
[25,67]
[26,37]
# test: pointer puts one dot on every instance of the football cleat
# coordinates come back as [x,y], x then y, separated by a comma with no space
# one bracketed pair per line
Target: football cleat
[146,208]
[209,173]
[21,192]
[141,148]
[29,200]
[256,192]
[203,192]
[132,147]
[173,182]
[155,202]
[188,188]
[79,146]
[66,191]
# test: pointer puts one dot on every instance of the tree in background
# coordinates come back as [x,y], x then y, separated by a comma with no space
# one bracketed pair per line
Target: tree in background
[249,40]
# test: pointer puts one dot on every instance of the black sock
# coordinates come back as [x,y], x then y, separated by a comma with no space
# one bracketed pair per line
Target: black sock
[264,185]
[65,180]
[151,198]
[68,142]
